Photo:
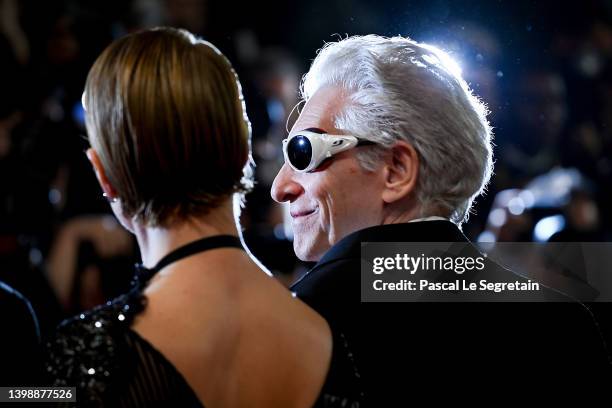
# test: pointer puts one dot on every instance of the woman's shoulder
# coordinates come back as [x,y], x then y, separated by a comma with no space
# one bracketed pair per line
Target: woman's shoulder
[290,341]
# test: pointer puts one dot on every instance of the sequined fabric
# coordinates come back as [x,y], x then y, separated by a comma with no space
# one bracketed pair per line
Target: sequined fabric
[110,364]
[342,388]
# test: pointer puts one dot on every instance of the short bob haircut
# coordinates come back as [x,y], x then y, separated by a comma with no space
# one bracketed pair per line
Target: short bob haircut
[166,115]
[399,89]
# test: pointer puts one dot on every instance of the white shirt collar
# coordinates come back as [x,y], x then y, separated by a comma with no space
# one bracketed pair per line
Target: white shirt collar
[432,218]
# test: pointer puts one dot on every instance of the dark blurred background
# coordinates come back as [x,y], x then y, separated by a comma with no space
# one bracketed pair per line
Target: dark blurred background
[543,68]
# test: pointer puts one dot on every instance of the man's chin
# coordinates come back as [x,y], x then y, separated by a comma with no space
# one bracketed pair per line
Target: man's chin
[306,253]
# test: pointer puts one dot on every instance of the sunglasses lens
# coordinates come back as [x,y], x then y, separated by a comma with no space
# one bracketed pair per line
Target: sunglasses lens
[299,152]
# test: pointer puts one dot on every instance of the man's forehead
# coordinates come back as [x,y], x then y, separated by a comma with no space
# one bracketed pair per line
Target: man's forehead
[320,111]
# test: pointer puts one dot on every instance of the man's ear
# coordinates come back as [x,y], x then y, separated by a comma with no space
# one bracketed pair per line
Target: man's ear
[106,186]
[401,172]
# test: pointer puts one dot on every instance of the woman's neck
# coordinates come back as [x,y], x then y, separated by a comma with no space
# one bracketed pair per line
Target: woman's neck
[156,242]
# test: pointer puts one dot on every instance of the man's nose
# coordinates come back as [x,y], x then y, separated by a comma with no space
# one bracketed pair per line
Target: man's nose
[285,187]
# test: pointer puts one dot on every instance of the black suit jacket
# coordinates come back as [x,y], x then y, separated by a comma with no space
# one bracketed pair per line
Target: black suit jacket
[399,349]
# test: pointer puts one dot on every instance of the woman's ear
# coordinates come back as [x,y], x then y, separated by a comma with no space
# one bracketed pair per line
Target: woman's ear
[107,187]
[401,172]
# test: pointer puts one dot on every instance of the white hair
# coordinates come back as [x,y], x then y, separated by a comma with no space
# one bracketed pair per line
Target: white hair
[399,89]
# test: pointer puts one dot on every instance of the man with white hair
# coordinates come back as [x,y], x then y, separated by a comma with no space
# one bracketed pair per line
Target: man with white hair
[392,146]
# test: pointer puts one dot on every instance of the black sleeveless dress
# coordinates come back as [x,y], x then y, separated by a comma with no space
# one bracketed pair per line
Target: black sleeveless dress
[109,363]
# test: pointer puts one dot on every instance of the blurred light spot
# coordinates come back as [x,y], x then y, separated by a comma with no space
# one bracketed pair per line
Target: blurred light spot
[54,111]
[35,256]
[547,227]
[503,197]
[55,196]
[276,112]
[500,74]
[451,64]
[528,198]
[486,236]
[109,223]
[479,57]
[563,182]
[516,206]
[441,58]
[590,64]
[91,371]
[78,113]
[497,217]
[279,232]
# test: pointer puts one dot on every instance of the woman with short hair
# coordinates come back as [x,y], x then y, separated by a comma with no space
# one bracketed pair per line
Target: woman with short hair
[203,324]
